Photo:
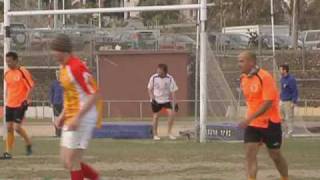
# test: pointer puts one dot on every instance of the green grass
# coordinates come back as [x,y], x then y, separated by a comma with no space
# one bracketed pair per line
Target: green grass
[164,160]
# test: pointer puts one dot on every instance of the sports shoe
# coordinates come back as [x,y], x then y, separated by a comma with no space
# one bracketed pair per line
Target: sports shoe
[156,138]
[6,156]
[172,137]
[29,150]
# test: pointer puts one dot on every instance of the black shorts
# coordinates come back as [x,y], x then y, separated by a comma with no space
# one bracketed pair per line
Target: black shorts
[271,136]
[57,109]
[15,114]
[156,107]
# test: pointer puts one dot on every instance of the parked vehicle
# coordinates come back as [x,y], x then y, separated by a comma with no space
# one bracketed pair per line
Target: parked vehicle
[176,41]
[103,40]
[279,30]
[237,40]
[229,40]
[138,39]
[310,38]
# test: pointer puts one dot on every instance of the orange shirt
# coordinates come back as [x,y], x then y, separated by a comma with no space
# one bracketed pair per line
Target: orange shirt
[78,84]
[19,83]
[257,89]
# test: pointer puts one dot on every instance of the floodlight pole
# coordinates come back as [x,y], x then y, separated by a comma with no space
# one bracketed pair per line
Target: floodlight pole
[6,49]
[203,72]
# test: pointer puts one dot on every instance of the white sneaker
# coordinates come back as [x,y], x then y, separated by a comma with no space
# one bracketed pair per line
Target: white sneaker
[172,137]
[156,138]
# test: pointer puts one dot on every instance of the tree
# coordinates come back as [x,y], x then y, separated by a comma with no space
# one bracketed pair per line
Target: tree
[243,12]
[161,18]
[311,16]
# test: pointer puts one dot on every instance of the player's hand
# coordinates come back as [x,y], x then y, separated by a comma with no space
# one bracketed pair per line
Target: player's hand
[58,122]
[74,125]
[154,102]
[243,124]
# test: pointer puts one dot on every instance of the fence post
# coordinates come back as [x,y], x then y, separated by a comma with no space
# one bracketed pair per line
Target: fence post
[43,109]
[141,111]
[305,107]
[109,109]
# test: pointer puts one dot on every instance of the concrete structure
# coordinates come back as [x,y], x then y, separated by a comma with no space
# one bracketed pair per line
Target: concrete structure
[123,77]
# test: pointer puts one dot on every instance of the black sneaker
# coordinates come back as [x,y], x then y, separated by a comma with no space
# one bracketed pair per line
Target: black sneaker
[29,150]
[6,156]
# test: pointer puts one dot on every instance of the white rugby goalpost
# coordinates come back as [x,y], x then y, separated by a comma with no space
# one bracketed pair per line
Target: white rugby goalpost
[201,7]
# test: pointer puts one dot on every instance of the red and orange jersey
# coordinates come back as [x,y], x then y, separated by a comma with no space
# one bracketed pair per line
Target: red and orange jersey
[78,84]
[257,89]
[19,83]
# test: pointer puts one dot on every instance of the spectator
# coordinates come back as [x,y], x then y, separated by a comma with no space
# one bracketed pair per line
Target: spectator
[289,97]
[56,100]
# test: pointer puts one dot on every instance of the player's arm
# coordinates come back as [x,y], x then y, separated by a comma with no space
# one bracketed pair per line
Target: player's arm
[173,89]
[173,96]
[58,122]
[151,95]
[266,105]
[29,84]
[150,89]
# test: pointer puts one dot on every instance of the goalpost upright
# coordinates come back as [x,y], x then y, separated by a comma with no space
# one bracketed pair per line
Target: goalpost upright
[202,7]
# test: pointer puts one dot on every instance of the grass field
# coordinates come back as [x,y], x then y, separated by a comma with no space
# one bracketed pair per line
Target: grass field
[164,160]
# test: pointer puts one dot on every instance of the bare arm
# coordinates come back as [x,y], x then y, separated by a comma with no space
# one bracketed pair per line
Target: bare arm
[58,122]
[262,109]
[173,95]
[151,95]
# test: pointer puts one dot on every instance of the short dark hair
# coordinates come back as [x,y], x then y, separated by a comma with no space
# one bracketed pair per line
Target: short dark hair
[13,55]
[285,67]
[164,67]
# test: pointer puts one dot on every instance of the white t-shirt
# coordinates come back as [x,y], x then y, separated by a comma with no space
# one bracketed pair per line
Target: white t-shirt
[162,87]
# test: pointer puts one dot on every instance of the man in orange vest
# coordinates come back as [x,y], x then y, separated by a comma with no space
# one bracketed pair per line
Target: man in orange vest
[19,85]
[263,122]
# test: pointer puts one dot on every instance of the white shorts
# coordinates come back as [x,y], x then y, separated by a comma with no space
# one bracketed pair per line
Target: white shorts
[78,139]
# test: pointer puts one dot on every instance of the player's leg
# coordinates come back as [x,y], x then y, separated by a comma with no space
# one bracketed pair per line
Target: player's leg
[9,141]
[252,150]
[155,123]
[280,162]
[156,108]
[23,133]
[71,160]
[10,133]
[19,117]
[73,145]
[273,142]
[171,119]
[252,140]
